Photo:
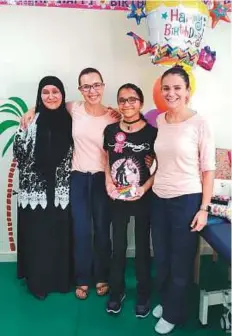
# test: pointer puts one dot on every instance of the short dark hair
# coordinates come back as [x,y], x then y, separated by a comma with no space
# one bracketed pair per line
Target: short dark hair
[133,87]
[177,70]
[87,71]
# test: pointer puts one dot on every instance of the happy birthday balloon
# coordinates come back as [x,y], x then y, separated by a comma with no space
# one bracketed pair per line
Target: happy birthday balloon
[176,29]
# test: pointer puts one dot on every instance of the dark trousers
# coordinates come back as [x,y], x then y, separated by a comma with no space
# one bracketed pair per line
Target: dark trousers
[142,256]
[91,227]
[174,251]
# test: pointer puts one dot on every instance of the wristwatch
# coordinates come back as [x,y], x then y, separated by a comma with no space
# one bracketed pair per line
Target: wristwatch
[206,208]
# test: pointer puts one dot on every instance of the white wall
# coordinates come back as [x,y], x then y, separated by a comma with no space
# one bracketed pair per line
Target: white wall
[40,41]
[214,88]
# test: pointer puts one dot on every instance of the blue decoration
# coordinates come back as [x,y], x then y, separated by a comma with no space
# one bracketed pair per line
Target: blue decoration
[137,12]
[164,15]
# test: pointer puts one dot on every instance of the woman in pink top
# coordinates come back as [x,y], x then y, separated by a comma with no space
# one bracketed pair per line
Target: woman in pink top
[89,199]
[182,192]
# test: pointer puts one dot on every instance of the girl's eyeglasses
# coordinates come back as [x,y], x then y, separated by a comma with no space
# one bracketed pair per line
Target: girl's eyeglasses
[130,100]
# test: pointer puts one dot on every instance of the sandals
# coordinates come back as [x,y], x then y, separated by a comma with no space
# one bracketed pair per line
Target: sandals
[102,289]
[84,293]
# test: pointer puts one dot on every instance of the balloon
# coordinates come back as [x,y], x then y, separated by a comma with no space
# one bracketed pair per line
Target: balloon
[219,12]
[137,12]
[176,29]
[207,58]
[151,116]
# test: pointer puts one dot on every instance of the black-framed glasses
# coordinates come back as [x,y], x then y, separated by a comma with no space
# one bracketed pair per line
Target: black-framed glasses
[130,100]
[88,87]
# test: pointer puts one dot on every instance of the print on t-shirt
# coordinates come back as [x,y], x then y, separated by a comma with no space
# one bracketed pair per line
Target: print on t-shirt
[126,172]
[126,176]
[127,152]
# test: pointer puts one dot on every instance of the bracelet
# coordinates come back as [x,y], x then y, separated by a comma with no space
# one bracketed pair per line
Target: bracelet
[206,208]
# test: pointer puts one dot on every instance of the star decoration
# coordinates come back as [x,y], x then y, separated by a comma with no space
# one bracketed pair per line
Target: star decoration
[219,12]
[164,15]
[137,12]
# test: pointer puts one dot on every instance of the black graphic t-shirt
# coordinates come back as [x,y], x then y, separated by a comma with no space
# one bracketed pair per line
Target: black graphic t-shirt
[127,152]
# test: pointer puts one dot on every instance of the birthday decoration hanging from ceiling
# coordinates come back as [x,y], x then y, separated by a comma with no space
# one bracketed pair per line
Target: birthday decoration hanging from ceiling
[175,28]
[219,12]
[137,12]
[175,31]
[207,58]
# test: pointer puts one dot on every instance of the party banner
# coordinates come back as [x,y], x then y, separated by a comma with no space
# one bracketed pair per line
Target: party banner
[88,4]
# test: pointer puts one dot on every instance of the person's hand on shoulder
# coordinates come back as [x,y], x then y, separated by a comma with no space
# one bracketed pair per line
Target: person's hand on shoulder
[114,113]
[27,118]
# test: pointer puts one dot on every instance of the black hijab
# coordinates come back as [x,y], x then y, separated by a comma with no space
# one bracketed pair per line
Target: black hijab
[54,131]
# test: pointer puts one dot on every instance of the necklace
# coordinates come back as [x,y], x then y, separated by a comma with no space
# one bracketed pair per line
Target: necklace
[129,123]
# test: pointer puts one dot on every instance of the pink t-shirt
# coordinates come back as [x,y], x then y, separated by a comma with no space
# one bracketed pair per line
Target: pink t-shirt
[87,132]
[183,150]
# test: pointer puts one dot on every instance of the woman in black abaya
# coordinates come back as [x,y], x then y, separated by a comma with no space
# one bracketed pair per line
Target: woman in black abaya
[44,155]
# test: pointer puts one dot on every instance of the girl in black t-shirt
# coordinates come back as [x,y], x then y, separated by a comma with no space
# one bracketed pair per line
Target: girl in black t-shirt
[128,183]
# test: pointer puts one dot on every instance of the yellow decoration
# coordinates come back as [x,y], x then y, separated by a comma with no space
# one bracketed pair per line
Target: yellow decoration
[199,5]
[192,80]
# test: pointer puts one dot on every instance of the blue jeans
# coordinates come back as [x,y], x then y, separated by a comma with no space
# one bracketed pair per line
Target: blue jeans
[174,248]
[91,227]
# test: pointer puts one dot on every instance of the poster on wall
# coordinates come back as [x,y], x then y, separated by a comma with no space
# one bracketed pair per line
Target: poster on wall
[84,4]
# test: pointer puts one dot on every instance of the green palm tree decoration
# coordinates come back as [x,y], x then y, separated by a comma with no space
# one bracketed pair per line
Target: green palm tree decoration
[14,107]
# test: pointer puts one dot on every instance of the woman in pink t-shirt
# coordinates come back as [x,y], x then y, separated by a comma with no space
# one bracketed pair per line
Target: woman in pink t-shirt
[182,192]
[89,199]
